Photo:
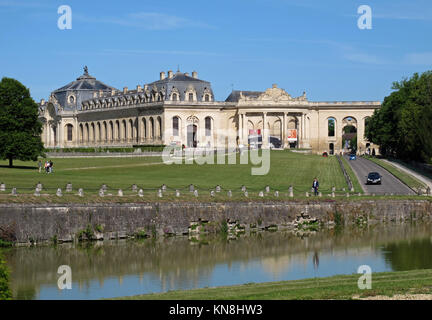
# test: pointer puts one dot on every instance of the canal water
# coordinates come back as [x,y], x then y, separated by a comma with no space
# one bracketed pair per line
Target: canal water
[130,267]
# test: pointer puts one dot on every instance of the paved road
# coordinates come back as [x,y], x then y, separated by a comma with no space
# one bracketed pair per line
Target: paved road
[389,183]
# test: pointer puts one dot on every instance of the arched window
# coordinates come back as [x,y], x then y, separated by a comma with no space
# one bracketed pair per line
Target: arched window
[191,96]
[208,126]
[175,126]
[174,97]
[207,98]
[331,127]
[69,128]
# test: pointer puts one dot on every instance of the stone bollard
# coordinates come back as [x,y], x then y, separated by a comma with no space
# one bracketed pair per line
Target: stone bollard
[191,188]
[291,192]
[333,194]
[177,193]
[261,194]
[134,188]
[195,193]
[104,187]
[212,193]
[352,189]
[347,195]
[320,194]
[101,192]
[307,194]
[59,192]
[243,188]
[69,187]
[159,193]
[276,194]
[343,189]
[229,193]
[218,188]
[246,194]
[120,193]
[81,192]
[141,193]
[37,192]
[267,189]
[333,189]
[2,187]
[359,194]
[164,187]
[39,186]
[14,191]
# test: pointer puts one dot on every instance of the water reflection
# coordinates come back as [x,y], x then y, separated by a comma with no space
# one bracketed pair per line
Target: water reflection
[123,268]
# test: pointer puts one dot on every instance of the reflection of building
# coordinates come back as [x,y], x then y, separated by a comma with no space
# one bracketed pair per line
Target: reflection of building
[179,108]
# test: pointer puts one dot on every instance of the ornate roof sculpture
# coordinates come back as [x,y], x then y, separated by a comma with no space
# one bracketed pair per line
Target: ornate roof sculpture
[70,96]
[273,94]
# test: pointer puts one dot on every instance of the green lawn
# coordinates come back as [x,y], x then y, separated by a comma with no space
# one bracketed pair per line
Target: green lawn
[406,178]
[353,177]
[337,287]
[286,168]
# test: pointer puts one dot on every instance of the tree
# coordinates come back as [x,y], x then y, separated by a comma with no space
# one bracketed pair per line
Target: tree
[20,128]
[402,126]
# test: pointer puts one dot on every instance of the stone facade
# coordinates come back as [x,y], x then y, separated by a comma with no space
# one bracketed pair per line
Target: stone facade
[180,109]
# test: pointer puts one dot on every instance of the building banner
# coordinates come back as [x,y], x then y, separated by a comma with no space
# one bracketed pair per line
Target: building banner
[292,134]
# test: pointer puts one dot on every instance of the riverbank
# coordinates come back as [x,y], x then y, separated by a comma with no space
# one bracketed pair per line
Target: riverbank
[38,223]
[408,284]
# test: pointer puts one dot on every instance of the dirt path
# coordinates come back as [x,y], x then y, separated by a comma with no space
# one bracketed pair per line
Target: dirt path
[399,297]
[116,166]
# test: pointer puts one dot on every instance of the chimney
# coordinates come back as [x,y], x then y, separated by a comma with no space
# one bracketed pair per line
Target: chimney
[113,92]
[195,74]
[186,74]
[100,93]
[170,74]
[42,102]
[145,87]
[139,88]
[274,85]
[162,75]
[125,90]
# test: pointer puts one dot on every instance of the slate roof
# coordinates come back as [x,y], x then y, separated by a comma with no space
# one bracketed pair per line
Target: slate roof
[82,88]
[182,82]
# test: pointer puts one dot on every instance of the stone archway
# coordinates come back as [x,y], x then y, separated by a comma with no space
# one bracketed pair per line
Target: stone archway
[192,136]
[349,134]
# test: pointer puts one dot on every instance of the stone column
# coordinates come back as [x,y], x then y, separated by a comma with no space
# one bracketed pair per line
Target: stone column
[240,128]
[245,130]
[284,130]
[264,133]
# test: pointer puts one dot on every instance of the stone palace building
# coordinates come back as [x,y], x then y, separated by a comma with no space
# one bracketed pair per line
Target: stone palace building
[180,109]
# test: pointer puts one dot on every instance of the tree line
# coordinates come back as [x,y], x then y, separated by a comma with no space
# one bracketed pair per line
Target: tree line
[402,127]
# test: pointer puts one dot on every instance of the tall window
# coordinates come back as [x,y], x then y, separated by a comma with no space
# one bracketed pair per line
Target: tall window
[174,97]
[69,132]
[175,126]
[207,98]
[331,127]
[190,96]
[208,126]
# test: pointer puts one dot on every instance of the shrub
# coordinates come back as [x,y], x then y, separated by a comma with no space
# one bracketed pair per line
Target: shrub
[5,292]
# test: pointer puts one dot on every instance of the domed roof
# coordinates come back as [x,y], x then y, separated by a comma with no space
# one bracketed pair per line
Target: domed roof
[73,94]
[85,82]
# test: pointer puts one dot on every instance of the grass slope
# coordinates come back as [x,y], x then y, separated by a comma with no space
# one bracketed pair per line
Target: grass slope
[286,168]
[337,287]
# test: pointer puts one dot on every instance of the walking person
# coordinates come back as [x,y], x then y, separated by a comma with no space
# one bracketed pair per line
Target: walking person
[40,166]
[315,186]
[51,166]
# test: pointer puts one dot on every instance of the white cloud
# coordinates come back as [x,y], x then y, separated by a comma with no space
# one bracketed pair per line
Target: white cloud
[419,58]
[148,20]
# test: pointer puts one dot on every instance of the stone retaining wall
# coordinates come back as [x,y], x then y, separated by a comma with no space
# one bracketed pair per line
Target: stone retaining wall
[39,223]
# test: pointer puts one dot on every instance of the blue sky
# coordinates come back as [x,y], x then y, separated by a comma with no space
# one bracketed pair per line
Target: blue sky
[311,45]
